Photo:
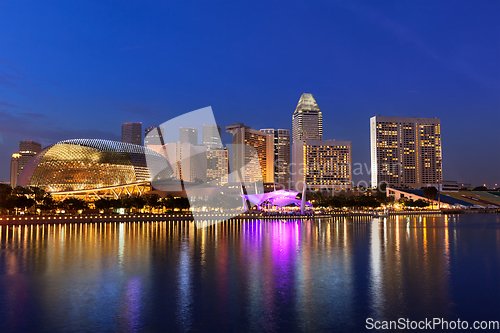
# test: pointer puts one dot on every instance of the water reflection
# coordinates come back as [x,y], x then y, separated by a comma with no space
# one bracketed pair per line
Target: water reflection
[376,252]
[184,297]
[130,314]
[246,275]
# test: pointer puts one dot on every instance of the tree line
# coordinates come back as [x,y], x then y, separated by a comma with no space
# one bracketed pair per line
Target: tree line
[372,199]
[36,199]
[22,199]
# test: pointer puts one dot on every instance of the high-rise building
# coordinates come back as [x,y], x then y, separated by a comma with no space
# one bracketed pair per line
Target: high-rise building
[217,166]
[322,165]
[405,151]
[147,130]
[281,142]
[14,169]
[244,138]
[27,149]
[212,136]
[188,134]
[132,133]
[189,162]
[153,135]
[307,120]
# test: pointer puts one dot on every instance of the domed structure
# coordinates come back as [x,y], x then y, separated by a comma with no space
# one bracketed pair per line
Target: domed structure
[90,164]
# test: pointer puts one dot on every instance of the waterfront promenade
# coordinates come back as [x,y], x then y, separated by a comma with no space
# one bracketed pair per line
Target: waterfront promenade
[91,218]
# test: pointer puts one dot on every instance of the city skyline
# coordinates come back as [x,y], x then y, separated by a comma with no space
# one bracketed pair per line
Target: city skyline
[359,181]
[425,67]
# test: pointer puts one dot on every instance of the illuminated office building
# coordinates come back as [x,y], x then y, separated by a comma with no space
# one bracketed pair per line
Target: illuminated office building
[132,133]
[188,134]
[281,139]
[405,151]
[217,166]
[307,120]
[212,136]
[322,165]
[244,139]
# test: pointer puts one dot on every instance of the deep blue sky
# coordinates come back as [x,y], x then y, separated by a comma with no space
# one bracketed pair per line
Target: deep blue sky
[75,69]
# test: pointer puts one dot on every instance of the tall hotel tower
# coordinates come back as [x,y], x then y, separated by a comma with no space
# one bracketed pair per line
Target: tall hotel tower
[406,151]
[307,120]
[281,139]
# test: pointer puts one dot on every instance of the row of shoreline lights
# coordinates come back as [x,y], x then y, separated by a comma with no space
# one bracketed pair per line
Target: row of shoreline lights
[89,216]
[115,216]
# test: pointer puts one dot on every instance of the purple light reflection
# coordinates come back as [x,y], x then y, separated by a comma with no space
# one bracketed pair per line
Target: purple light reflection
[132,305]
[271,249]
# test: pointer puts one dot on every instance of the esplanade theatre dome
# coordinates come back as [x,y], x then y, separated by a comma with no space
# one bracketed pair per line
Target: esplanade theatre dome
[87,164]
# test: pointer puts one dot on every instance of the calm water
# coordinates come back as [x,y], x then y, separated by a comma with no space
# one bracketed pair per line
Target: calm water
[250,275]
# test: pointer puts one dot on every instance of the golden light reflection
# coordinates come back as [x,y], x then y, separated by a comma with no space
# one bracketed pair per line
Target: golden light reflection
[446,243]
[309,264]
[424,231]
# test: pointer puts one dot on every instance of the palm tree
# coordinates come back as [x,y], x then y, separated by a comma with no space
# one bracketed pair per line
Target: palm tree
[5,194]
[152,201]
[73,204]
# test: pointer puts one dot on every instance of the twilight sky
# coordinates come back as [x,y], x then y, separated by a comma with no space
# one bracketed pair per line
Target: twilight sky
[74,69]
